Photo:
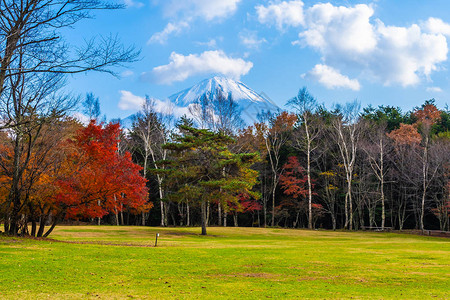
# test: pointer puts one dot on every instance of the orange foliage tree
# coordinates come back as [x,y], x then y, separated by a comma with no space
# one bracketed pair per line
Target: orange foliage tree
[97,179]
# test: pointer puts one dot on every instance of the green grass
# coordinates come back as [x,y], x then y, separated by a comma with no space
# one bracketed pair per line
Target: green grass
[120,262]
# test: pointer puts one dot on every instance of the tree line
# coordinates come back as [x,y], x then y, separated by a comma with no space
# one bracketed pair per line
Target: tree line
[310,168]
[344,167]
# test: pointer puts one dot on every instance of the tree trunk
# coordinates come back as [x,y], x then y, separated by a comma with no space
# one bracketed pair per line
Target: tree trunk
[163,224]
[51,227]
[350,204]
[333,221]
[273,199]
[41,225]
[383,208]
[188,215]
[33,226]
[235,218]
[203,211]
[207,213]
[219,213]
[308,173]
[121,214]
[346,210]
[14,196]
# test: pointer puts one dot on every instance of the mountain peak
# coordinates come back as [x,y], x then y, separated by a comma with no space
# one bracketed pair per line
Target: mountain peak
[250,102]
[215,85]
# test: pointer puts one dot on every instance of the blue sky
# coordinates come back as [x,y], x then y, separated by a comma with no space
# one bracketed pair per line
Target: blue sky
[380,52]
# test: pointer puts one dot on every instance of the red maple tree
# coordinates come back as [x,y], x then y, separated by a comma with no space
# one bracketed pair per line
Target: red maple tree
[293,180]
[97,179]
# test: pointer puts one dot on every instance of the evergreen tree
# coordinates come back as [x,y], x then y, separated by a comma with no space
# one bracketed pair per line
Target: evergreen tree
[204,170]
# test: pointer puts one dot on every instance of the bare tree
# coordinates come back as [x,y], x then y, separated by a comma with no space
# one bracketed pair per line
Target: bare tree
[152,130]
[31,31]
[376,146]
[308,132]
[29,103]
[347,131]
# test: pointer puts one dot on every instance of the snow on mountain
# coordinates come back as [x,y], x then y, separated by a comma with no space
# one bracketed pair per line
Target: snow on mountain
[249,102]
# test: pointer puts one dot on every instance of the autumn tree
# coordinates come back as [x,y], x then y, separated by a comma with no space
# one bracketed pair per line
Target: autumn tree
[275,130]
[33,62]
[30,103]
[426,116]
[405,159]
[97,180]
[295,184]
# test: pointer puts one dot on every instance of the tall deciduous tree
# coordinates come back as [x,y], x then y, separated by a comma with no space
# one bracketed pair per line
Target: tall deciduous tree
[276,133]
[33,29]
[151,132]
[308,132]
[347,131]
[426,116]
[376,147]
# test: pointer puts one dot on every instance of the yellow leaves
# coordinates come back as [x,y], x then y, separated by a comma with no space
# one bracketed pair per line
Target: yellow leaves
[328,174]
[332,187]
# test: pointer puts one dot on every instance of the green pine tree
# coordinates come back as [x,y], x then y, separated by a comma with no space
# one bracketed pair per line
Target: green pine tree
[203,169]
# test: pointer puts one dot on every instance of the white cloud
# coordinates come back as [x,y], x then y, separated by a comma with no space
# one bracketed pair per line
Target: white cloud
[332,78]
[434,89]
[281,14]
[404,54]
[184,12]
[127,73]
[83,119]
[212,43]
[133,3]
[182,67]
[129,101]
[205,9]
[348,39]
[437,26]
[343,29]
[250,39]
[171,28]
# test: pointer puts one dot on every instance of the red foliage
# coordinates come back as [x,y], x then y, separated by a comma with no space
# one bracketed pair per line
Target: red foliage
[293,180]
[249,204]
[98,180]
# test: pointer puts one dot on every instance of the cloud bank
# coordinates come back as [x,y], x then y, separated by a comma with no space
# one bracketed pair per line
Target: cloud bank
[349,38]
[182,67]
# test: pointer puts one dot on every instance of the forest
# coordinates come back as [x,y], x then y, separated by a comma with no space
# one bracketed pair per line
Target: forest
[306,167]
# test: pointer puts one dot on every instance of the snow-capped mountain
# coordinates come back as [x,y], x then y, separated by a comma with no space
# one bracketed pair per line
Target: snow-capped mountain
[250,102]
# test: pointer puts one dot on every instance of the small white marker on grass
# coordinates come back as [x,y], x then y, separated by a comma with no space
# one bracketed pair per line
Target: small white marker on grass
[156,240]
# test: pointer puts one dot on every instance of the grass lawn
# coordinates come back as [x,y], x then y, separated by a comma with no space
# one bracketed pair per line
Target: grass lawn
[120,262]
